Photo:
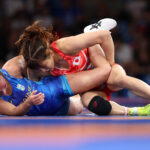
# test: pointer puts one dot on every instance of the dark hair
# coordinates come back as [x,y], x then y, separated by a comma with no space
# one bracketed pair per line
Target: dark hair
[34,43]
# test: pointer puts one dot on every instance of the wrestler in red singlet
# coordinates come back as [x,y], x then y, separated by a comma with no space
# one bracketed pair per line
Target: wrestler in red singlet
[76,63]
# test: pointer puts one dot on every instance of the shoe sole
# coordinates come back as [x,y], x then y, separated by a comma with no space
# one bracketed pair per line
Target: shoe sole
[103,24]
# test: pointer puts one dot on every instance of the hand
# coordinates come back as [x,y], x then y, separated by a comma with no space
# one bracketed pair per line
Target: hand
[36,99]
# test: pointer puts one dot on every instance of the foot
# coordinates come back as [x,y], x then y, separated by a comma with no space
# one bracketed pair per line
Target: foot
[103,24]
[144,111]
[140,111]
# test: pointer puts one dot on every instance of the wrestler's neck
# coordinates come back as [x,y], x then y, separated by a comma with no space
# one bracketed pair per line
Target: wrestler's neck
[60,62]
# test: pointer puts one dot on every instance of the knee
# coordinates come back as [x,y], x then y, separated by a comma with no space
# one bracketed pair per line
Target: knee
[119,79]
[76,106]
[99,106]
[78,109]
[117,76]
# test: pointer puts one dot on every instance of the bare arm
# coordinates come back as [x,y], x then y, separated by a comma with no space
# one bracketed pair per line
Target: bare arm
[72,45]
[9,109]
[14,66]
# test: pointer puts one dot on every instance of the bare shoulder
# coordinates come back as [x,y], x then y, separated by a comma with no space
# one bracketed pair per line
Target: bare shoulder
[14,66]
[13,62]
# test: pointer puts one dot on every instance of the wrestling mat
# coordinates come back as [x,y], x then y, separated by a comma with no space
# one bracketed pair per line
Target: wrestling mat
[83,132]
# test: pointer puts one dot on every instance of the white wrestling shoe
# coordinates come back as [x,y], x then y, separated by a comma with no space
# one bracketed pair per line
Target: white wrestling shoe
[103,24]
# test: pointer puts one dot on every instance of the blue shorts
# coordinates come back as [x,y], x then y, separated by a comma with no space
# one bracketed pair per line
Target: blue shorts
[66,87]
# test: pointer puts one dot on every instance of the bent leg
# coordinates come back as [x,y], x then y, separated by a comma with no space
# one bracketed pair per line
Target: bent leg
[118,80]
[116,75]
[116,109]
[138,87]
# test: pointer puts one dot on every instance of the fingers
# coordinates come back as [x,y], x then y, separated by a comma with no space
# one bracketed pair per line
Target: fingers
[36,99]
[37,102]
[37,95]
[34,92]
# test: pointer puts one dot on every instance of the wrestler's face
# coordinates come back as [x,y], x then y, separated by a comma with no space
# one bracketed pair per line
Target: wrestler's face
[3,86]
[47,65]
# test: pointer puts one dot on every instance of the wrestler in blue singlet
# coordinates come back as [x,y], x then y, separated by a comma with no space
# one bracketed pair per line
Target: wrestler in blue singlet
[56,91]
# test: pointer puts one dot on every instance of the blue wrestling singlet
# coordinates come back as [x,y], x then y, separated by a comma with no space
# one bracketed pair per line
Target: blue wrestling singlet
[56,91]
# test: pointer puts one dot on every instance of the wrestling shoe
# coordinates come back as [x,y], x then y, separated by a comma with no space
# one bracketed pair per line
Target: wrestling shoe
[103,24]
[140,111]
[144,111]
